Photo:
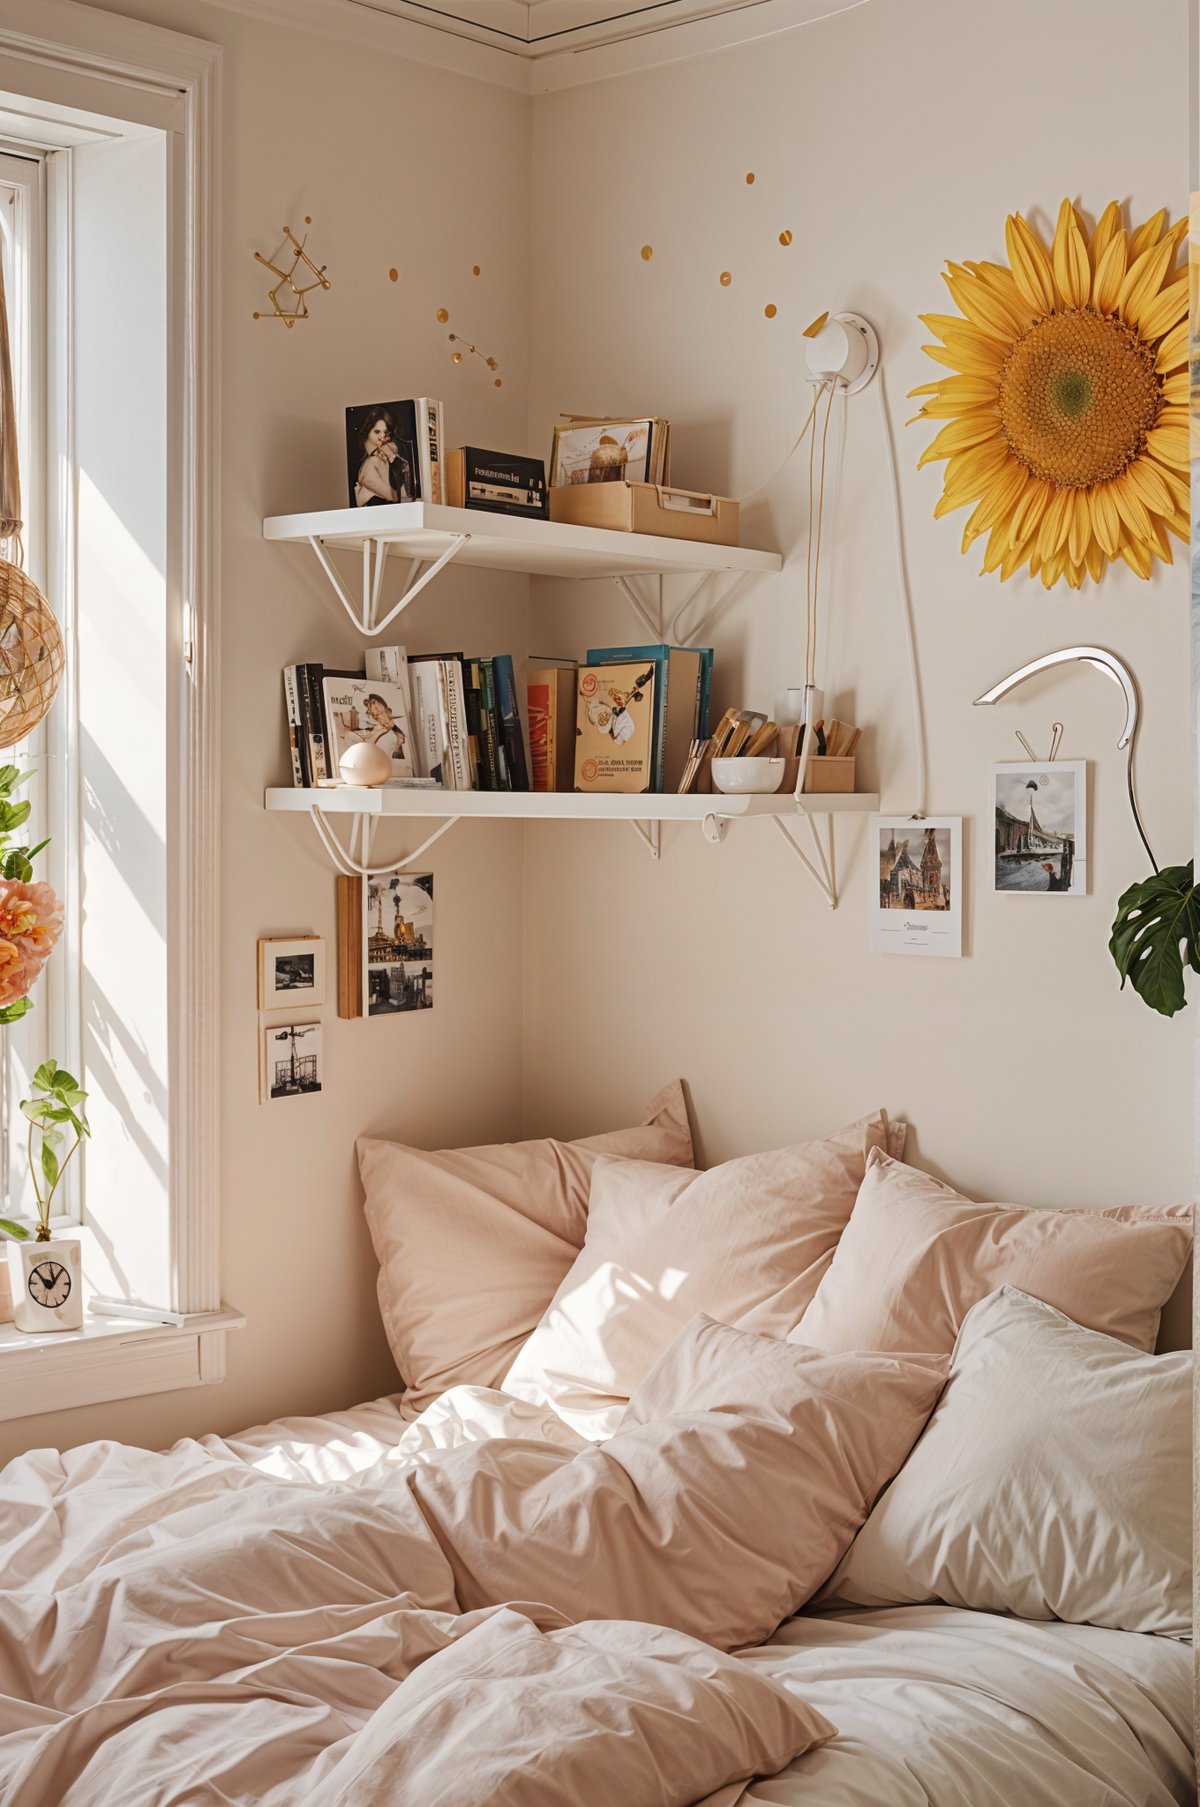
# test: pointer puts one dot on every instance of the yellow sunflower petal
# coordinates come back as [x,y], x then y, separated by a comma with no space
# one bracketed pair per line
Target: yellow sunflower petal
[1149,487]
[1000,280]
[1148,234]
[998,546]
[1143,279]
[1107,227]
[1106,521]
[1173,352]
[1168,307]
[1160,546]
[981,307]
[1052,569]
[998,501]
[967,391]
[1072,271]
[1096,561]
[1176,479]
[1055,525]
[974,427]
[1030,265]
[1079,526]
[1180,525]
[1110,274]
[1031,509]
[1136,556]
[974,357]
[1134,518]
[1169,444]
[969,473]
[1177,389]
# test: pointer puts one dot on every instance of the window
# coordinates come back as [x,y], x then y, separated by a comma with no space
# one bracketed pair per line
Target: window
[106,231]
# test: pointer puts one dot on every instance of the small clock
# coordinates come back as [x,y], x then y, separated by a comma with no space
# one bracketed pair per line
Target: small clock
[49,1284]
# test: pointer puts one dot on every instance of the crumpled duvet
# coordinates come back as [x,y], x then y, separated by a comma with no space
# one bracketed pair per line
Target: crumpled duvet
[182,1627]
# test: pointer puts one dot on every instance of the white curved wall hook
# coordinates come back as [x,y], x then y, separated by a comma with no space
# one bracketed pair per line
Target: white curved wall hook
[1109,666]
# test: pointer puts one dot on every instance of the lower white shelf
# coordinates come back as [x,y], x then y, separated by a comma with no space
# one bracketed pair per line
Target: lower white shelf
[644,811]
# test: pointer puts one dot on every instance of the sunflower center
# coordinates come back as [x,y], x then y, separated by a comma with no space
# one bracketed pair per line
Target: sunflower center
[1078,395]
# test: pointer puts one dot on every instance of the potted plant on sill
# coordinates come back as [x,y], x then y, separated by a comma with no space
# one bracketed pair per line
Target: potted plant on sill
[45,1272]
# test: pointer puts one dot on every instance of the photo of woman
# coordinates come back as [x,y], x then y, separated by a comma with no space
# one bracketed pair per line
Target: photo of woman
[382,464]
[386,731]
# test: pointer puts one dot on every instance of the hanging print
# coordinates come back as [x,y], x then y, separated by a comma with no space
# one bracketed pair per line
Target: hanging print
[1040,814]
[915,903]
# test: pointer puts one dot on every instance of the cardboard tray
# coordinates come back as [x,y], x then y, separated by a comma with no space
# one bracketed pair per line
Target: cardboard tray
[676,514]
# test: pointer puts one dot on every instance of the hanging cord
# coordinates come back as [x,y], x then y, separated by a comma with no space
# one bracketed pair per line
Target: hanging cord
[787,457]
[918,710]
[814,546]
[1137,817]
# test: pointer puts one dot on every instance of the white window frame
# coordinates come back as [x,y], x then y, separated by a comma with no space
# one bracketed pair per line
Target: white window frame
[60,53]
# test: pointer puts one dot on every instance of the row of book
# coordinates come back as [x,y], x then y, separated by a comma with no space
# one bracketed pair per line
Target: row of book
[625,720]
[442,719]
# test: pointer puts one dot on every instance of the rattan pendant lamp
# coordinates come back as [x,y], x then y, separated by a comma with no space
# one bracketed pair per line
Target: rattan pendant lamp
[31,648]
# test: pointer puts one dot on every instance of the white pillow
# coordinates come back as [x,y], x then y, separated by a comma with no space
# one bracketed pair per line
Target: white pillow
[1052,1482]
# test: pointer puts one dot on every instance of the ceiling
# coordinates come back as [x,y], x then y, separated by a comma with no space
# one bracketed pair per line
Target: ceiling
[553,32]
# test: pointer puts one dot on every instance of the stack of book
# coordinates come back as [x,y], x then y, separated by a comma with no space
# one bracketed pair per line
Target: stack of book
[442,719]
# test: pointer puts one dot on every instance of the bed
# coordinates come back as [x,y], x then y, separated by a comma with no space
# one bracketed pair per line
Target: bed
[844,1542]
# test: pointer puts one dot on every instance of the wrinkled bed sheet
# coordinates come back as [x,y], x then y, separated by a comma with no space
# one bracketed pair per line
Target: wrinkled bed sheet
[317,1680]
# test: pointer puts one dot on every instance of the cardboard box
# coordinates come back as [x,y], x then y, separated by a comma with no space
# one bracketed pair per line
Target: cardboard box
[675,514]
[828,774]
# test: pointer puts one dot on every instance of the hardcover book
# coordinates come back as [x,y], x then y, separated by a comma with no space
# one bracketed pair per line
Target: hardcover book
[614,728]
[393,452]
[680,701]
[367,709]
[550,699]
[500,482]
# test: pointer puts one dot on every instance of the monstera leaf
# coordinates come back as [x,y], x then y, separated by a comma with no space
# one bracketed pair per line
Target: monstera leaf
[1156,931]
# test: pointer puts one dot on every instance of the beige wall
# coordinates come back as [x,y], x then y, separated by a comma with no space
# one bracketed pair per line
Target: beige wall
[885,141]
[400,166]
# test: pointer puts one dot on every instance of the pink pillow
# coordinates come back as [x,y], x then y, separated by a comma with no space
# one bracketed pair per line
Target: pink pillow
[739,1476]
[747,1242]
[471,1242]
[916,1256]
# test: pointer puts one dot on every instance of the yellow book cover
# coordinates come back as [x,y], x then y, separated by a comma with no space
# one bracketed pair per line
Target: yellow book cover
[615,728]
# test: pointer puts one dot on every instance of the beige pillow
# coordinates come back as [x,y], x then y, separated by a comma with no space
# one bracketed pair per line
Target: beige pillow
[916,1256]
[471,1242]
[1053,1482]
[741,1472]
[746,1242]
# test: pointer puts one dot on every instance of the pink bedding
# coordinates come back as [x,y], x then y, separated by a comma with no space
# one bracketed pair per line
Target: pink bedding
[185,1627]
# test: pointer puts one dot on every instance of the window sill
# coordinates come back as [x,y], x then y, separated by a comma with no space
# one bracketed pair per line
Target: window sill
[110,1358]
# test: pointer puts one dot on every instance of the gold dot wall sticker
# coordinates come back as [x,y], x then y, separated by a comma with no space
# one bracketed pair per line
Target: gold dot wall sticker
[289,298]
[1063,400]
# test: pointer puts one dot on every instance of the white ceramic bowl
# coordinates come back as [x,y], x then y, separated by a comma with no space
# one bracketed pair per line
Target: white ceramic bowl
[759,775]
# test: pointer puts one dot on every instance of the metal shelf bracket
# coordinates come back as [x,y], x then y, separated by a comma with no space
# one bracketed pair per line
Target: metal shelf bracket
[352,861]
[824,873]
[651,834]
[653,614]
[365,613]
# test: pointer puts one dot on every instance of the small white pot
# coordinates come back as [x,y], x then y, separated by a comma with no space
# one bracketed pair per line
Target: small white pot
[46,1281]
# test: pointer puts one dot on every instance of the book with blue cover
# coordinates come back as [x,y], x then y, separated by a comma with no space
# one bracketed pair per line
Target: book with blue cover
[683,682]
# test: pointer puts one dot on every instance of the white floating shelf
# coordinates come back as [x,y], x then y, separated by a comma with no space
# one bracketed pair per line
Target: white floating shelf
[420,530]
[557,806]
[430,537]
[645,812]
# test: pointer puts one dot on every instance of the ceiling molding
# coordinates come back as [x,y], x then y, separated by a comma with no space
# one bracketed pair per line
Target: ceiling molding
[536,46]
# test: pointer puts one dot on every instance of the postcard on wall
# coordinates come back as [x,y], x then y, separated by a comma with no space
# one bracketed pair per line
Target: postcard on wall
[397,939]
[372,710]
[1040,814]
[291,973]
[294,1063]
[915,904]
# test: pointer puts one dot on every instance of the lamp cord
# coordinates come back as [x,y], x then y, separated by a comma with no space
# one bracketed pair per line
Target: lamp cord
[918,710]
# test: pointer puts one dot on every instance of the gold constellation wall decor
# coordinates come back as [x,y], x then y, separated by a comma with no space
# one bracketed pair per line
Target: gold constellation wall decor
[286,272]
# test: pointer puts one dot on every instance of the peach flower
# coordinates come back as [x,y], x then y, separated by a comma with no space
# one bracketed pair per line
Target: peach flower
[31,921]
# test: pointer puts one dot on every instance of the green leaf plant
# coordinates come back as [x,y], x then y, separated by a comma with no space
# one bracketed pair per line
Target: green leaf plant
[55,1113]
[1156,935]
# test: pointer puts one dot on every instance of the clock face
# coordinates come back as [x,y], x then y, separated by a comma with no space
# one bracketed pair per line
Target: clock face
[49,1284]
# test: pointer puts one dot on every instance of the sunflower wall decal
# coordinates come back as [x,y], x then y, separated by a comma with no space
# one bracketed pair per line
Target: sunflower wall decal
[1066,398]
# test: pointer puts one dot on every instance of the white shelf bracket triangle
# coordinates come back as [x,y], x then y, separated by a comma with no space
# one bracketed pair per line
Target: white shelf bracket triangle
[824,874]
[650,833]
[352,861]
[365,613]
